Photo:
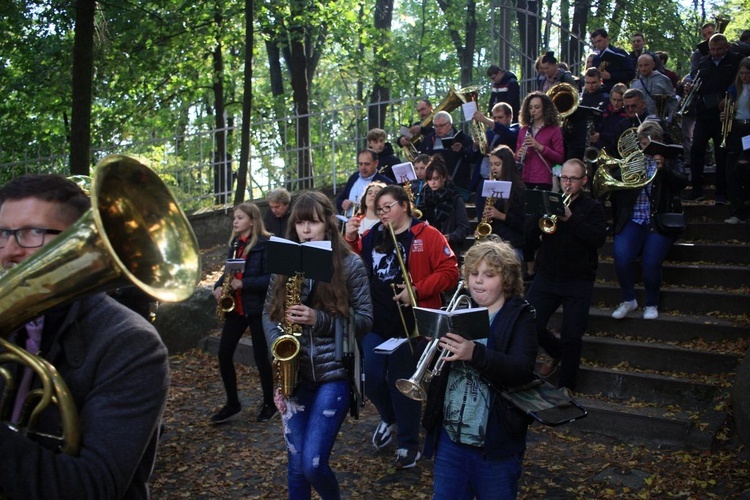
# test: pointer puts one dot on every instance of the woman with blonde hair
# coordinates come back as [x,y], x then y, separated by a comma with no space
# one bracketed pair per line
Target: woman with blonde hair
[248,288]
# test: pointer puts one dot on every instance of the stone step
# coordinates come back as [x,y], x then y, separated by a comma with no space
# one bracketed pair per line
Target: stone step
[685,300]
[666,328]
[687,275]
[652,388]
[716,253]
[656,356]
[654,426]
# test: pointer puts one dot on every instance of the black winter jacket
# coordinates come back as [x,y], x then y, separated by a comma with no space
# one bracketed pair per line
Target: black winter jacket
[255,278]
[317,357]
[507,361]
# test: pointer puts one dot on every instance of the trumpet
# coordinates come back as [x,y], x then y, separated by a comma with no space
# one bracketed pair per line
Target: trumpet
[226,303]
[414,386]
[726,125]
[548,223]
[688,99]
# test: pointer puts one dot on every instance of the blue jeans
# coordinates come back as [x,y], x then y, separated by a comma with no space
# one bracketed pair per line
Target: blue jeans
[381,373]
[311,423]
[546,295]
[462,473]
[633,240]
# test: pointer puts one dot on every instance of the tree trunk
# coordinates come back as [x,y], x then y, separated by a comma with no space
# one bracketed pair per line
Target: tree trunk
[528,30]
[83,70]
[381,92]
[564,30]
[301,96]
[578,31]
[464,49]
[247,106]
[222,161]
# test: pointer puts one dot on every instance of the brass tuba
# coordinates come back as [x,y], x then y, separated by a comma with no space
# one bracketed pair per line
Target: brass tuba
[134,233]
[721,21]
[449,103]
[565,98]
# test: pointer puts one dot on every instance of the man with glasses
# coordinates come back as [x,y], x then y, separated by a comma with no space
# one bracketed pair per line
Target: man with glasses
[113,361]
[565,271]
[367,171]
[456,148]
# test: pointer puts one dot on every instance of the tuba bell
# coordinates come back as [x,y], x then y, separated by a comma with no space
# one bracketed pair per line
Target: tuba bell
[134,233]
[565,98]
[449,103]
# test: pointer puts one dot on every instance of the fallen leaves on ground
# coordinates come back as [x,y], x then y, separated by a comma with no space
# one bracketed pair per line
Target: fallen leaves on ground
[247,459]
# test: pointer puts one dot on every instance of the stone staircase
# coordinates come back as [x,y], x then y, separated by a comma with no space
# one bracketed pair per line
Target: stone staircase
[667,381]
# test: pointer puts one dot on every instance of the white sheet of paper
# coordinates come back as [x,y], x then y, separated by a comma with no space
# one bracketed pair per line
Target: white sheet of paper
[469,108]
[405,132]
[496,189]
[389,345]
[746,143]
[404,172]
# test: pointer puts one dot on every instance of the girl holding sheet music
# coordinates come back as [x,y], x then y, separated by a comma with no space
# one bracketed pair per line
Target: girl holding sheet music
[248,241]
[313,415]
[507,215]
[478,438]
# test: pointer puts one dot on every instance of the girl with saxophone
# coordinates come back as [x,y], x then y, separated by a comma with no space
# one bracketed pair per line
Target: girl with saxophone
[477,437]
[313,415]
[506,216]
[401,249]
[248,289]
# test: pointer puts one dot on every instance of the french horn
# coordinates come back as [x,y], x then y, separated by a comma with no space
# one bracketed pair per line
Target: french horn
[134,233]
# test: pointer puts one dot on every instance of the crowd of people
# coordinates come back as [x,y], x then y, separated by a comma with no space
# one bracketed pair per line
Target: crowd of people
[402,246]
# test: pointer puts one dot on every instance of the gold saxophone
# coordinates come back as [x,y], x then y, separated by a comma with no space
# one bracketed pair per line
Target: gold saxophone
[484,228]
[285,349]
[134,233]
[226,303]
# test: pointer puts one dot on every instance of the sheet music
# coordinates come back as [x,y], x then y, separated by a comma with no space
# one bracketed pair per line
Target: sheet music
[469,108]
[404,172]
[496,189]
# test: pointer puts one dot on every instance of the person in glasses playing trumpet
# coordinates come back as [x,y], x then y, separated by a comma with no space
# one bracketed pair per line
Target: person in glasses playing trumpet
[566,269]
[431,265]
[478,438]
[112,360]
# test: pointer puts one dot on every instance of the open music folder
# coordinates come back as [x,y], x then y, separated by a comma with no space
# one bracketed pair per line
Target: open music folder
[313,258]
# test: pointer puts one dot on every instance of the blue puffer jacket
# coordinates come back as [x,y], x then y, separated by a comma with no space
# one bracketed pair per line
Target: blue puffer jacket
[255,278]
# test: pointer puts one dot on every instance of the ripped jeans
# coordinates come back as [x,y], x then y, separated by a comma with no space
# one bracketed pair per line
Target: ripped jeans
[311,422]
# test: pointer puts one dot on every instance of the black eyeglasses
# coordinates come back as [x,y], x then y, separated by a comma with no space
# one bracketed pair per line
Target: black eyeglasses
[565,178]
[26,237]
[385,208]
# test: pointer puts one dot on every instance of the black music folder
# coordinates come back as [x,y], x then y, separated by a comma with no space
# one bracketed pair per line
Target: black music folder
[314,258]
[544,202]
[669,151]
[471,324]
[590,111]
[450,141]
[610,56]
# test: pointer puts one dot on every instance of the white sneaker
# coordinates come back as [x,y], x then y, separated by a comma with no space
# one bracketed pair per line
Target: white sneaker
[624,308]
[734,220]
[383,435]
[650,312]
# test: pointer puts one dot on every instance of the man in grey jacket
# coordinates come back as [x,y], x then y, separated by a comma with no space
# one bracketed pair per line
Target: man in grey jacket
[112,360]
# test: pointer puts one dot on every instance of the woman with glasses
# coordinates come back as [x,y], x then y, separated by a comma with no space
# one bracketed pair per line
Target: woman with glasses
[636,236]
[431,265]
